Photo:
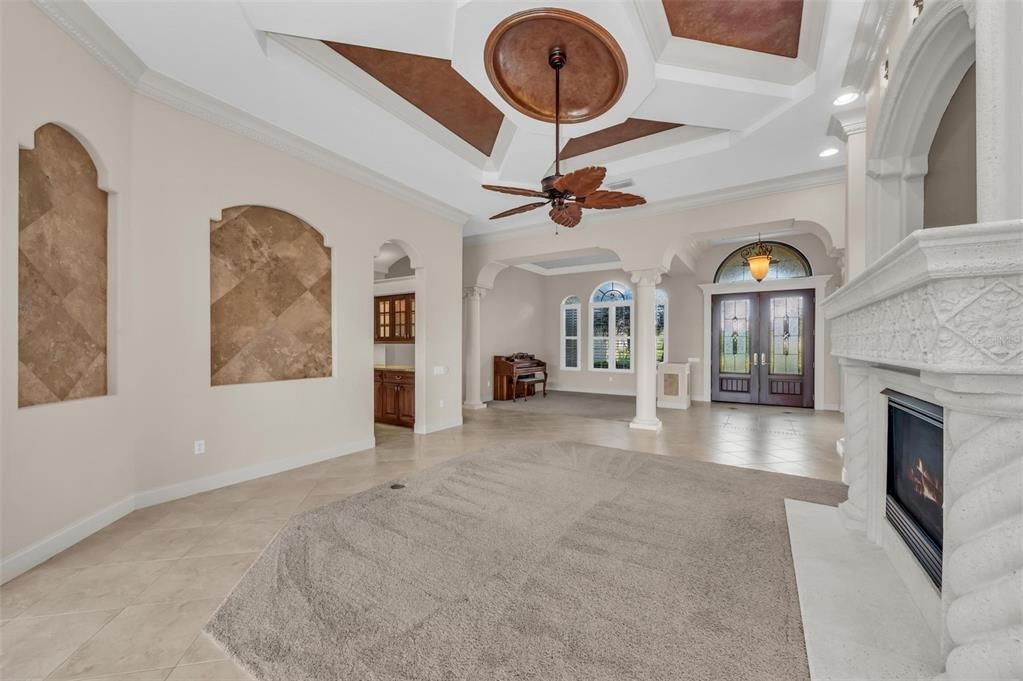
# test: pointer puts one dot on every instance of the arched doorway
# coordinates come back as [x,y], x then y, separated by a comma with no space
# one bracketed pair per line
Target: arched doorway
[395,318]
[762,334]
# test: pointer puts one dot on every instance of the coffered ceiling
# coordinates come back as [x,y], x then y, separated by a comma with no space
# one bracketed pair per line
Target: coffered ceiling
[718,94]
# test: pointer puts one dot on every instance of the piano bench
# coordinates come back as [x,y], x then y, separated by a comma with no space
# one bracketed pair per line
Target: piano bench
[532,380]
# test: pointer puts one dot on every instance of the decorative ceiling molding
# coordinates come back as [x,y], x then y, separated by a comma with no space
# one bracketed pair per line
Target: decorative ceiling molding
[516,57]
[435,88]
[697,55]
[574,269]
[88,30]
[868,49]
[768,26]
[630,129]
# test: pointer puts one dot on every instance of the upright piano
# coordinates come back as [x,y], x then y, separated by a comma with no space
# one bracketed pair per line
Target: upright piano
[517,376]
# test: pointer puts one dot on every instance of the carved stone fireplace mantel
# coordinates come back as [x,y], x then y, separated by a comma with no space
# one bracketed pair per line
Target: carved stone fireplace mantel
[941,316]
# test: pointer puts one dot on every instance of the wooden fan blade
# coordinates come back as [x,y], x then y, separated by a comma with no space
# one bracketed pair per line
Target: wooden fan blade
[520,209]
[606,199]
[515,190]
[581,182]
[567,215]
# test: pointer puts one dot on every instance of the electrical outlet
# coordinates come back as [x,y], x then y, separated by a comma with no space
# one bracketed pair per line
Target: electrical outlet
[442,404]
[200,447]
[610,379]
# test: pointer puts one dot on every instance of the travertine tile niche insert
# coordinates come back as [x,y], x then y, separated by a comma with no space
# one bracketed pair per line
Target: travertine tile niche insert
[62,271]
[269,298]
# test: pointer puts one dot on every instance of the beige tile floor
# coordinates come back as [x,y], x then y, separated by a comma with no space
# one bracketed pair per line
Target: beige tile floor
[129,602]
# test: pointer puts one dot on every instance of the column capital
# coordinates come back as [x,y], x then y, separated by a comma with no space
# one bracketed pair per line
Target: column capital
[648,277]
[476,292]
[845,124]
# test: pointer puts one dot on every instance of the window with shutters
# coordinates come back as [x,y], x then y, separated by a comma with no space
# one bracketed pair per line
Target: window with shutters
[611,327]
[570,310]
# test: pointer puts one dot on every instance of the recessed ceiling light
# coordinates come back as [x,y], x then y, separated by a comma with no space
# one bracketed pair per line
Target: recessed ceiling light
[830,151]
[846,98]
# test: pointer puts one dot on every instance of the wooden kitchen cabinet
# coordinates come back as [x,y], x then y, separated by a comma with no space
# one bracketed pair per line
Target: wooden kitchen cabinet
[394,318]
[394,397]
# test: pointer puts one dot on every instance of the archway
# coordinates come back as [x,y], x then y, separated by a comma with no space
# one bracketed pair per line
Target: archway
[398,359]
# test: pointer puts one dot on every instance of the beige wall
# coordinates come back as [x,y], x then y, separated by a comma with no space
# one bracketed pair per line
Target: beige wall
[169,174]
[511,320]
[523,313]
[950,187]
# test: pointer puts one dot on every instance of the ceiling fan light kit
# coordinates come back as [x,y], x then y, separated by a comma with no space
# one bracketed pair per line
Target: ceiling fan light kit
[567,194]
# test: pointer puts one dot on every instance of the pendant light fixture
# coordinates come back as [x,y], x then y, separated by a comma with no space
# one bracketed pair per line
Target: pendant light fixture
[758,257]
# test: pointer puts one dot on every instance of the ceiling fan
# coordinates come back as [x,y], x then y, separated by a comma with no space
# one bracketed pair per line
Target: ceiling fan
[567,194]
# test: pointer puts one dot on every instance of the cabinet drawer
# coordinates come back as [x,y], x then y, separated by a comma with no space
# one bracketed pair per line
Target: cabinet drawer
[404,377]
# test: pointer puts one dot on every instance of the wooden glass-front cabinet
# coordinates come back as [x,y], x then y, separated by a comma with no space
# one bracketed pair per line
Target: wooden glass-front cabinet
[394,318]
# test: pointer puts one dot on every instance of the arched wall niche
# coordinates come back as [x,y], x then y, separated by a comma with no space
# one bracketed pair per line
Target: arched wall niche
[270,298]
[937,54]
[62,270]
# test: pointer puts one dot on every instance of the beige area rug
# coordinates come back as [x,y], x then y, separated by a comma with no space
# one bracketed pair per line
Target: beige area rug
[543,562]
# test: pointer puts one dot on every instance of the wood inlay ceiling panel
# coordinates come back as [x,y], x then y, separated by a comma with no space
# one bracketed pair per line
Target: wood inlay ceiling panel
[270,307]
[630,129]
[62,272]
[435,88]
[770,26]
[517,54]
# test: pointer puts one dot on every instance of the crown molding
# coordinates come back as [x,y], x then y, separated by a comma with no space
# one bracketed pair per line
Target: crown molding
[876,21]
[811,180]
[89,31]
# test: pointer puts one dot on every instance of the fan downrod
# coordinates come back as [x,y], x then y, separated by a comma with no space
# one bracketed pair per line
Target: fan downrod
[557,58]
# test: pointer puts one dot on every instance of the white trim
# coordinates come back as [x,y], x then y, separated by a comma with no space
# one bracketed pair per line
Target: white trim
[578,337]
[868,48]
[69,535]
[573,269]
[426,430]
[88,30]
[818,283]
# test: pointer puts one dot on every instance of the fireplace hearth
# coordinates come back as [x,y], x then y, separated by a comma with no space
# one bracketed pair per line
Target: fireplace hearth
[915,479]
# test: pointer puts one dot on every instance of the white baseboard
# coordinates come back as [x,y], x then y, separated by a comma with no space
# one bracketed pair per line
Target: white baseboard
[47,547]
[826,406]
[187,488]
[44,549]
[454,423]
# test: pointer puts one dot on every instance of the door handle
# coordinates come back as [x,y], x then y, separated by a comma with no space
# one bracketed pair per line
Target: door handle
[755,359]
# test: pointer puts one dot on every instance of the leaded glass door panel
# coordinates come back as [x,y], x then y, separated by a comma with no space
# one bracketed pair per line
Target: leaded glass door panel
[786,348]
[734,318]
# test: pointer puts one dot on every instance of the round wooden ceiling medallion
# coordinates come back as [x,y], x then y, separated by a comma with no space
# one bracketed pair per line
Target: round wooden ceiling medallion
[591,81]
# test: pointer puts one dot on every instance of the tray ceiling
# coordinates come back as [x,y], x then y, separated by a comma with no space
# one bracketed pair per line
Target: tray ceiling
[768,26]
[433,87]
[401,88]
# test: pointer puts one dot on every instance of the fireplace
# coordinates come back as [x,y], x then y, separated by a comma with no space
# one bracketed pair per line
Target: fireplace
[915,481]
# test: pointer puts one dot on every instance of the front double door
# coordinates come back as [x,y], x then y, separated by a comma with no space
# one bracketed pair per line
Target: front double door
[762,348]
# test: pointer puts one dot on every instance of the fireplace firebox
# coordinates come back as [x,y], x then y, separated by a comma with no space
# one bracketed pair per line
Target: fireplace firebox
[915,491]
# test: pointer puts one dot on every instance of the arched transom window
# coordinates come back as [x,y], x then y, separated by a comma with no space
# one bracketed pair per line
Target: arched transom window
[611,327]
[786,263]
[570,310]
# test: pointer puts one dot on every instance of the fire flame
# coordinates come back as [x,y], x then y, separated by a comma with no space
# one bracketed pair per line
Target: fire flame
[925,483]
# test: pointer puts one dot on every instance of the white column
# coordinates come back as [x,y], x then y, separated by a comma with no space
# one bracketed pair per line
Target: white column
[982,580]
[851,128]
[472,296]
[644,350]
[999,29]
[856,443]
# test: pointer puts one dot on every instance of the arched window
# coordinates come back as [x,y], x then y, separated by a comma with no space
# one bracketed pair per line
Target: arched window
[661,325]
[611,326]
[786,263]
[570,308]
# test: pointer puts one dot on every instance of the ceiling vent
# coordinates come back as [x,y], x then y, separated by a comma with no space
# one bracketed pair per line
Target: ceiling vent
[620,184]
